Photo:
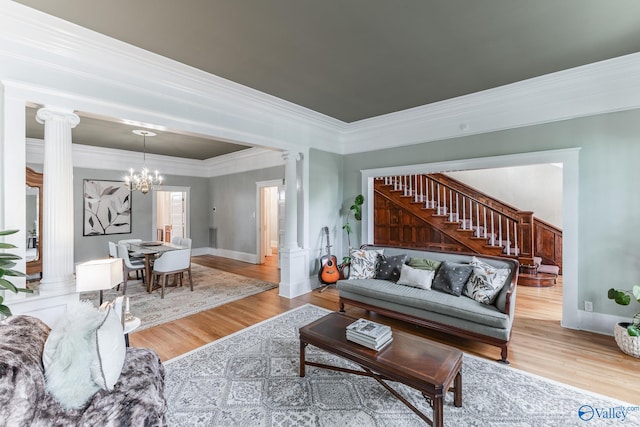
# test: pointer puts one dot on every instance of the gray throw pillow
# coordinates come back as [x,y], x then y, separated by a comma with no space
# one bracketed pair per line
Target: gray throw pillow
[451,277]
[388,267]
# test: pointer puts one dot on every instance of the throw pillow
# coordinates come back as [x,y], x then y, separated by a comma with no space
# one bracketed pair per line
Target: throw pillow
[451,277]
[388,267]
[424,264]
[485,282]
[363,263]
[70,353]
[416,277]
[110,349]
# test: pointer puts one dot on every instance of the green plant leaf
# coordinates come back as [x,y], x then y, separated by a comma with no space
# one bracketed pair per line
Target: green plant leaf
[633,330]
[347,228]
[14,273]
[8,285]
[612,293]
[9,256]
[636,292]
[622,298]
[7,246]
[8,232]
[359,200]
[5,310]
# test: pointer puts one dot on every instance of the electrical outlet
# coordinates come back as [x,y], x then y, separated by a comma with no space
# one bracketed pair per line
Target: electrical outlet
[588,306]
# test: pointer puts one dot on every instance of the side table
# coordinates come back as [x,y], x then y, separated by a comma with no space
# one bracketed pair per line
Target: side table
[130,326]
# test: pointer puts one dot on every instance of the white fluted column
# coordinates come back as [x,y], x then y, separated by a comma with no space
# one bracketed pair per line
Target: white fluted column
[57,230]
[291,200]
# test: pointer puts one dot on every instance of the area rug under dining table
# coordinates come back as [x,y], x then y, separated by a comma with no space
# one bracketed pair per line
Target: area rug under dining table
[251,378]
[211,288]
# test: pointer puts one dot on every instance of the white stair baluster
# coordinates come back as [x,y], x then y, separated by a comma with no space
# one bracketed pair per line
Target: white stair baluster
[508,237]
[500,230]
[464,213]
[493,231]
[484,213]
[477,232]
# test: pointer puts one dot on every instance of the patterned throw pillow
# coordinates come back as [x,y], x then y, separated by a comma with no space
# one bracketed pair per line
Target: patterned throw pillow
[424,264]
[388,267]
[363,263]
[485,282]
[451,277]
[416,277]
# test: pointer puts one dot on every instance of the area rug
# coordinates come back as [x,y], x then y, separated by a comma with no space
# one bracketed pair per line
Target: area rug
[251,378]
[211,288]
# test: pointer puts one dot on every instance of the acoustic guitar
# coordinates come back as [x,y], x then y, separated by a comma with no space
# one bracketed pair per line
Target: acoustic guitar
[329,272]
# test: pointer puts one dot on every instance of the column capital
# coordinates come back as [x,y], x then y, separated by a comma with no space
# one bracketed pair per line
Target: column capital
[290,155]
[52,113]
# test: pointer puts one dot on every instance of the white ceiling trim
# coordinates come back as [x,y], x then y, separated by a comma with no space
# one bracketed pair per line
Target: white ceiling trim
[122,160]
[47,52]
[597,88]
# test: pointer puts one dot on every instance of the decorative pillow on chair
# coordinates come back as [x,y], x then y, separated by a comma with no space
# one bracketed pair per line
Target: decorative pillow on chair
[451,277]
[84,352]
[424,264]
[416,277]
[485,282]
[388,267]
[363,263]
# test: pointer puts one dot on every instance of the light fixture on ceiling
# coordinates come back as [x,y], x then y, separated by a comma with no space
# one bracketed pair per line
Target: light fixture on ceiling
[143,181]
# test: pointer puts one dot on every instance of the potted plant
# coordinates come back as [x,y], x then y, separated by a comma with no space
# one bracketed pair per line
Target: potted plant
[7,262]
[356,209]
[627,334]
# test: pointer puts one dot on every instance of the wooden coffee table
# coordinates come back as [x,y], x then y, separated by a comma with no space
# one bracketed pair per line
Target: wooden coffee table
[429,367]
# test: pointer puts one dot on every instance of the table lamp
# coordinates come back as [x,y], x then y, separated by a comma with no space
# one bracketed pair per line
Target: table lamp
[98,275]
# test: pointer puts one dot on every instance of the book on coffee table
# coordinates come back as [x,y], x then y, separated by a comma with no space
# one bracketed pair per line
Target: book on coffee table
[369,334]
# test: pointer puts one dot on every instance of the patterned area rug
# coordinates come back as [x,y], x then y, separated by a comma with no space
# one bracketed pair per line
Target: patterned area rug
[251,379]
[211,288]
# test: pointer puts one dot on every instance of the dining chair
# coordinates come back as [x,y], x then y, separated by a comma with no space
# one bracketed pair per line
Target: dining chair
[170,263]
[175,240]
[185,242]
[135,256]
[129,265]
[113,250]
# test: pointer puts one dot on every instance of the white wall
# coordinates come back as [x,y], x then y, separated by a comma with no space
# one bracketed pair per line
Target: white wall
[536,188]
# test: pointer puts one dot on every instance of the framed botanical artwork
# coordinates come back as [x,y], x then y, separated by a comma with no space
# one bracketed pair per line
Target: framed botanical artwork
[106,208]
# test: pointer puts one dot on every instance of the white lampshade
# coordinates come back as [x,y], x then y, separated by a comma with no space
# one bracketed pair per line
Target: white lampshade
[98,274]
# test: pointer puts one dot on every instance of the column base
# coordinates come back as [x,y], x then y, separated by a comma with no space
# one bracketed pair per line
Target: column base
[58,287]
[294,274]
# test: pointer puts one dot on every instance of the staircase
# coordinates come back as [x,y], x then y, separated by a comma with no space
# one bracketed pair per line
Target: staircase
[435,211]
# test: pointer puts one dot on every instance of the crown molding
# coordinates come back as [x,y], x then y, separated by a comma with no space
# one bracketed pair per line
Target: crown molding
[54,58]
[33,40]
[597,88]
[113,159]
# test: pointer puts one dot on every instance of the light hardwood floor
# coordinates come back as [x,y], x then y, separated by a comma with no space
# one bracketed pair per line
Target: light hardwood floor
[539,344]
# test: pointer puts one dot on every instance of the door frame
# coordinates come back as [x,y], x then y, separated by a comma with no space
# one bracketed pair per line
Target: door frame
[569,157]
[187,207]
[259,186]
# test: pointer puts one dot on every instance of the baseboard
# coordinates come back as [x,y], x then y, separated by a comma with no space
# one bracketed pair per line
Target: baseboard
[226,253]
[598,322]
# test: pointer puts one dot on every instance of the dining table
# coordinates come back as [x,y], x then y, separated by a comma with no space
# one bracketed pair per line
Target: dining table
[151,250]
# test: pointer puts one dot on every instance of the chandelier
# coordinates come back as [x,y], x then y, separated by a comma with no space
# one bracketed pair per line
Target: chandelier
[143,181]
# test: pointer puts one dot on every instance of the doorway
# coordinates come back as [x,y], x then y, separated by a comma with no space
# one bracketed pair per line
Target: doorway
[171,213]
[270,221]
[571,317]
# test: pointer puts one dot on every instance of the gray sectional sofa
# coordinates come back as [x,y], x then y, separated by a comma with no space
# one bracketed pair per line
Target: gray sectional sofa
[457,315]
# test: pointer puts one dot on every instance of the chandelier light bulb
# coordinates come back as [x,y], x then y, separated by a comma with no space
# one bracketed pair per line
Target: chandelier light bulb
[143,181]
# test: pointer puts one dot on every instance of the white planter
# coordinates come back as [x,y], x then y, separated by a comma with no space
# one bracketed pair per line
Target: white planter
[628,344]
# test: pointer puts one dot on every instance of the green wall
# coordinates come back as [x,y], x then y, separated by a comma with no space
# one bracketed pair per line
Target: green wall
[325,205]
[93,247]
[234,198]
[609,201]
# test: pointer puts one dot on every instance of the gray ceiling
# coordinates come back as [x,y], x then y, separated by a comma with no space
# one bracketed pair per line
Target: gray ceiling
[354,59]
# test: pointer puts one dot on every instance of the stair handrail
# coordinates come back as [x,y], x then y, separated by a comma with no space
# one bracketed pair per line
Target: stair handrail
[406,183]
